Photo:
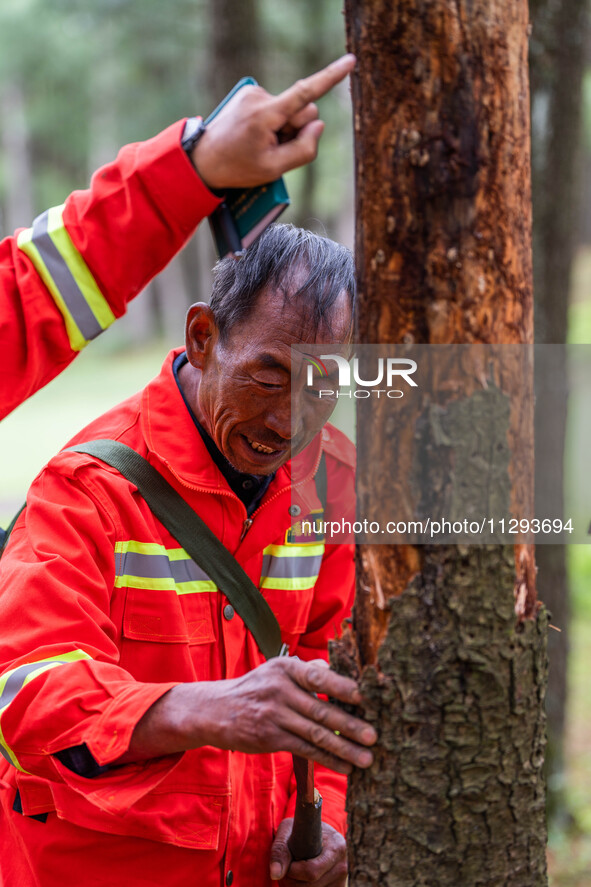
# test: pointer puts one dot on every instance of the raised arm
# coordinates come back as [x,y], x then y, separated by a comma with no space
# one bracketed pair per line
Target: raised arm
[65,280]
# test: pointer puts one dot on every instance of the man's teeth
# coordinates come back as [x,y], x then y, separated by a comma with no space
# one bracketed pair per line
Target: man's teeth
[260,448]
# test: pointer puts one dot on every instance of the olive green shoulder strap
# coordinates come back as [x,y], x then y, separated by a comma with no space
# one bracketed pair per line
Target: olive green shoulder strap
[196,538]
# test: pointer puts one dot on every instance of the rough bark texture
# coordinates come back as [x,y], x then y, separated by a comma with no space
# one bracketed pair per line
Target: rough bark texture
[456,698]
[453,675]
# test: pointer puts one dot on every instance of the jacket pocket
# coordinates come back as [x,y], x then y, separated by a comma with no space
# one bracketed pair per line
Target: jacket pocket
[156,616]
[198,609]
[195,820]
[155,644]
[167,594]
[292,609]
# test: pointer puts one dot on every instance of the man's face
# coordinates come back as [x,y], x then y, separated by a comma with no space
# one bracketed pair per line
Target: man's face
[251,395]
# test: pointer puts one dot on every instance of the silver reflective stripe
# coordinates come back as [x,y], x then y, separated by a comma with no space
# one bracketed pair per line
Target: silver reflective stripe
[17,679]
[291,567]
[63,279]
[5,755]
[158,566]
[12,682]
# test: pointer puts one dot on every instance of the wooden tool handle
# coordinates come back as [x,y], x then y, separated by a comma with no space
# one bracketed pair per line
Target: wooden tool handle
[305,841]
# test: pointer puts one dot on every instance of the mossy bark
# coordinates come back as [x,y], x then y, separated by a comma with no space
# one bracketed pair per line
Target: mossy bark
[448,641]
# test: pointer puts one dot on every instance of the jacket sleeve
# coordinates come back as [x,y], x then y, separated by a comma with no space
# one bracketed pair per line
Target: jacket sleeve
[60,682]
[65,279]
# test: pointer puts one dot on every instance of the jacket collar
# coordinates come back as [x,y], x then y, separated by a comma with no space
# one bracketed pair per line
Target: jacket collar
[174,441]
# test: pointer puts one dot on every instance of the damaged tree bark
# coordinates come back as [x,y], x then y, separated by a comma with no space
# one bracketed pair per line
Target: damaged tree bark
[448,641]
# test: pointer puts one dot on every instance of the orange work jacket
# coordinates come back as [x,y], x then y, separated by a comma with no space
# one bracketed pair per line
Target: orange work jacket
[65,279]
[103,612]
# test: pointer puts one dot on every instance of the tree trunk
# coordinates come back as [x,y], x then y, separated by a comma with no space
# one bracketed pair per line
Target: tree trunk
[17,160]
[449,641]
[313,57]
[235,45]
[557,61]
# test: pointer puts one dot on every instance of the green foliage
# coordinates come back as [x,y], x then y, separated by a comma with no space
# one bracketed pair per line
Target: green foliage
[579,568]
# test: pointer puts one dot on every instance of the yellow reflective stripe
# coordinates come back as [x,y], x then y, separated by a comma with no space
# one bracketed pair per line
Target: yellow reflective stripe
[80,272]
[293,584]
[149,565]
[85,310]
[25,243]
[295,550]
[58,659]
[149,582]
[173,554]
[193,586]
[196,586]
[291,567]
[14,680]
[177,554]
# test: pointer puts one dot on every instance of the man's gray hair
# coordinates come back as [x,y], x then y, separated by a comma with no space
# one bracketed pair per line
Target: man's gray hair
[276,260]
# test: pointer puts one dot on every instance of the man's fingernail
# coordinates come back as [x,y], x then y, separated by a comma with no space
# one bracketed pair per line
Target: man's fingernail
[276,871]
[369,736]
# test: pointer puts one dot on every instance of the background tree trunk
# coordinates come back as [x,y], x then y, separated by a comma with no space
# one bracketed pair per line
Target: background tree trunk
[235,45]
[17,160]
[313,58]
[557,61]
[453,677]
[235,50]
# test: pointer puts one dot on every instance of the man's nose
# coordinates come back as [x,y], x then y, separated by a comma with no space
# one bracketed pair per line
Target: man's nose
[285,419]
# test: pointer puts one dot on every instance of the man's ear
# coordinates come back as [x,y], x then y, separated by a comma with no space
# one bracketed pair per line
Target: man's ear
[201,334]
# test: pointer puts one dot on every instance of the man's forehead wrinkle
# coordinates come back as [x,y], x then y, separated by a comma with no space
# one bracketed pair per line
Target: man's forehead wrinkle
[275,325]
[271,361]
[293,326]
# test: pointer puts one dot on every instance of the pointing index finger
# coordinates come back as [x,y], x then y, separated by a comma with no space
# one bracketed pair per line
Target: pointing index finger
[307,90]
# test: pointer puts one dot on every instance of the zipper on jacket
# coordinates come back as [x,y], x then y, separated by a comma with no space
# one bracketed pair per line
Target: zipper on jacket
[246,527]
[249,520]
[279,493]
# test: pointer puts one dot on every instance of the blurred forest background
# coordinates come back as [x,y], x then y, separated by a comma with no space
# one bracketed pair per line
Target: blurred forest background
[80,78]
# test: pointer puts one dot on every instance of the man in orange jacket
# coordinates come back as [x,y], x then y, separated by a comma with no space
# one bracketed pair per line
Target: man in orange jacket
[64,280]
[143,738]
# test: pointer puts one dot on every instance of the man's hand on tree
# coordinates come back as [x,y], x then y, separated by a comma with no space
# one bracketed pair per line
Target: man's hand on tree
[257,137]
[327,870]
[272,708]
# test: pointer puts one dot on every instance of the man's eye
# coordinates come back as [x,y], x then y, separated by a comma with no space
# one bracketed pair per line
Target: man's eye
[270,386]
[321,394]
